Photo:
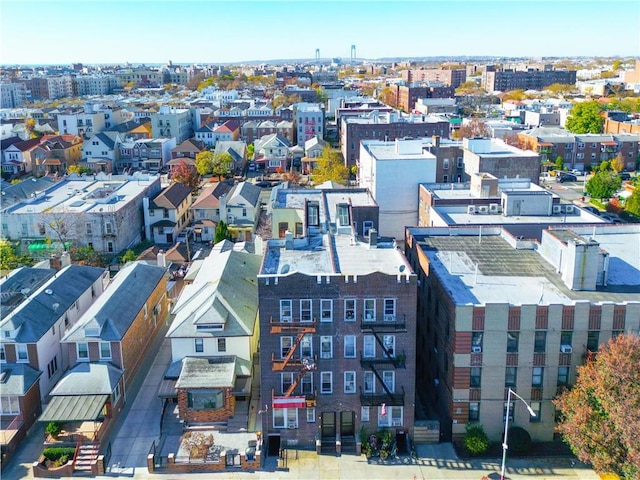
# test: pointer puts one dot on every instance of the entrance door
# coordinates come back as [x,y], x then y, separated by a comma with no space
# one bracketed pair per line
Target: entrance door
[347,428]
[328,424]
[169,237]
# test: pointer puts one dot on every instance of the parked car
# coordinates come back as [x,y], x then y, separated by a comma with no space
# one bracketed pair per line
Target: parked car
[567,177]
[575,172]
[624,175]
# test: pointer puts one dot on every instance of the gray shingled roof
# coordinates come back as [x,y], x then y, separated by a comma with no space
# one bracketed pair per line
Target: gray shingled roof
[171,197]
[89,379]
[116,309]
[244,192]
[201,372]
[20,283]
[17,378]
[36,316]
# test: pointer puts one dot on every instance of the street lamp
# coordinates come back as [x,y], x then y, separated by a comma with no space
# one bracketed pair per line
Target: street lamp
[506,428]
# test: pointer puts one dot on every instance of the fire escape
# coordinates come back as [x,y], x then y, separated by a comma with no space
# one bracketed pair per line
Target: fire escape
[289,362]
[389,358]
[309,129]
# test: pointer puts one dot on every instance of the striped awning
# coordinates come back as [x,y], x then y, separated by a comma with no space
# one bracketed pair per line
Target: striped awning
[74,408]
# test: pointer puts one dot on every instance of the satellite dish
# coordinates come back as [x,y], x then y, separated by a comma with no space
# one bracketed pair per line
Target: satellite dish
[48,291]
[285,269]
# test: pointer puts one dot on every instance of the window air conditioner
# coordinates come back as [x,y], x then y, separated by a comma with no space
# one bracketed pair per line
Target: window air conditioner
[476,349]
[566,348]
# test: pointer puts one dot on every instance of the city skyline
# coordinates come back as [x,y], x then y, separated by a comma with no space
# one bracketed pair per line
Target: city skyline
[192,31]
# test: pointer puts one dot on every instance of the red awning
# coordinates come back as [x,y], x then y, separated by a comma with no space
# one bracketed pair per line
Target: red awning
[610,144]
[545,144]
[289,402]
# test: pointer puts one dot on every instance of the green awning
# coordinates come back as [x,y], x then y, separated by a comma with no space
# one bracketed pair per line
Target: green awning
[42,245]
[74,408]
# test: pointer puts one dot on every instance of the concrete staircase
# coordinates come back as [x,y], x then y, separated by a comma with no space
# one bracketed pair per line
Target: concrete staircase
[88,453]
[426,431]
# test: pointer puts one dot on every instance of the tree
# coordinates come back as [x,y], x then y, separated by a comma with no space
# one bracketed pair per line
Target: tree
[560,88]
[9,260]
[475,439]
[204,162]
[87,256]
[79,169]
[559,163]
[473,128]
[129,256]
[330,167]
[632,204]
[513,95]
[321,95]
[251,148]
[222,232]
[601,413]
[604,166]
[603,184]
[63,226]
[185,174]
[585,117]
[469,87]
[617,164]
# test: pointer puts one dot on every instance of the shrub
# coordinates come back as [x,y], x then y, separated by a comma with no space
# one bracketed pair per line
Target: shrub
[59,455]
[519,439]
[475,440]
[53,428]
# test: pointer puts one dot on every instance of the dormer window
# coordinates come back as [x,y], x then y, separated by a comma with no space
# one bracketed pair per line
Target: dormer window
[92,331]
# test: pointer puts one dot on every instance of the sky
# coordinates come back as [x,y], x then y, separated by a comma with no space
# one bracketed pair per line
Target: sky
[219,31]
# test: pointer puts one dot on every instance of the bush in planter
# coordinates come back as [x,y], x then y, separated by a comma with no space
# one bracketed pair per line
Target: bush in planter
[519,439]
[58,455]
[475,440]
[53,428]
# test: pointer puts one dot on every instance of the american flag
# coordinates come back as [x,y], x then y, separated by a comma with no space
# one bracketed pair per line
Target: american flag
[383,411]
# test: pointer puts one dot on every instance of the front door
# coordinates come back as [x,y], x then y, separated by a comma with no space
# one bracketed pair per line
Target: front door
[328,424]
[347,428]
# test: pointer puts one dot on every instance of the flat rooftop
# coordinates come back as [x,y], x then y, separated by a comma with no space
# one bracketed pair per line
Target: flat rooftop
[480,270]
[457,215]
[382,151]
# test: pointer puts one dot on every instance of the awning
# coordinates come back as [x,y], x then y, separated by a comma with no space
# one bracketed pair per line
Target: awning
[167,389]
[74,408]
[289,402]
[42,245]
[610,144]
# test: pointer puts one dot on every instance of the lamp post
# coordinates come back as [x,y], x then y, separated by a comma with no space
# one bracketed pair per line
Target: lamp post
[506,428]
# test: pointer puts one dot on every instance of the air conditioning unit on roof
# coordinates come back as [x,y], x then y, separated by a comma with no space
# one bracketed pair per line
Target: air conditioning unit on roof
[557,209]
[471,209]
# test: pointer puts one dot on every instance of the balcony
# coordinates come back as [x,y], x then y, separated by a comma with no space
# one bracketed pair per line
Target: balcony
[279,364]
[292,326]
[391,323]
[377,399]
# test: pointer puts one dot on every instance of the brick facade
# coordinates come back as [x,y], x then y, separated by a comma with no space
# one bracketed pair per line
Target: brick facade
[205,416]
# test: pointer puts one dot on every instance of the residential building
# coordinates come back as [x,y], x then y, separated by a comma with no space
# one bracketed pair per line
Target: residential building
[449,159]
[255,129]
[229,131]
[271,153]
[494,156]
[188,149]
[337,332]
[206,210]
[141,77]
[147,154]
[101,212]
[387,127]
[309,121]
[138,129]
[12,95]
[172,122]
[393,171]
[312,151]
[616,127]
[501,312]
[451,77]
[16,158]
[102,151]
[428,106]
[96,84]
[215,325]
[406,96]
[50,87]
[58,152]
[238,152]
[240,209]
[168,213]
[532,79]
[582,151]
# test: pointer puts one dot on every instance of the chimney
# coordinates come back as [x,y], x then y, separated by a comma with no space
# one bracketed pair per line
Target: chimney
[373,238]
[288,240]
[54,262]
[162,259]
[65,259]
[435,140]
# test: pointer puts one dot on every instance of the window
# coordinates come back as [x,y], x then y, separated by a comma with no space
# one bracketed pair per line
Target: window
[41,229]
[366,226]
[476,377]
[82,350]
[326,382]
[285,346]
[474,411]
[563,376]
[313,215]
[105,350]
[537,409]
[22,352]
[108,228]
[350,346]
[165,213]
[389,309]
[9,405]
[285,310]
[349,382]
[445,164]
[222,345]
[476,342]
[311,415]
[52,367]
[369,382]
[511,406]
[206,399]
[285,418]
[3,356]
[537,376]
[199,345]
[392,417]
[110,247]
[364,414]
[512,342]
[460,162]
[306,383]
[326,310]
[350,310]
[326,347]
[540,341]
[592,340]
[389,379]
[343,215]
[116,393]
[305,310]
[286,380]
[306,346]
[566,338]
[370,309]
[369,346]
[445,178]
[510,377]
[389,342]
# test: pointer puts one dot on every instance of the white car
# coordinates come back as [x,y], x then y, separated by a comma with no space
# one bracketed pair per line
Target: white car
[577,173]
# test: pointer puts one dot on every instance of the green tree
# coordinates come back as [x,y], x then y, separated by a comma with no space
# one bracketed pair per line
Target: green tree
[585,117]
[330,167]
[475,439]
[604,166]
[222,232]
[601,413]
[9,260]
[87,256]
[129,256]
[204,162]
[222,164]
[632,204]
[251,148]
[559,163]
[603,184]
